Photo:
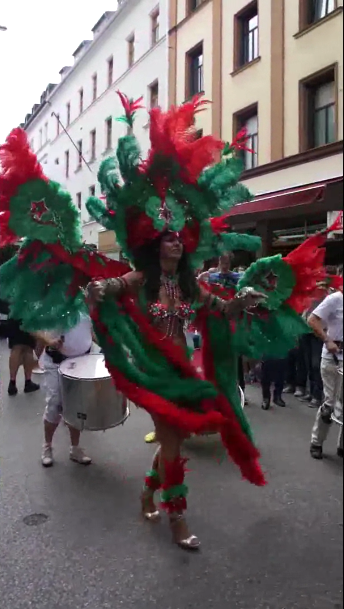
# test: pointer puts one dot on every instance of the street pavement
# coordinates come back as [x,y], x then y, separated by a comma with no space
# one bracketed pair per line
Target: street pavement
[279,547]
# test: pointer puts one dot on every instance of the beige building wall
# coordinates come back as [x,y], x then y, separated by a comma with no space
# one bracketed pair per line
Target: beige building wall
[251,84]
[297,175]
[289,52]
[192,31]
[306,54]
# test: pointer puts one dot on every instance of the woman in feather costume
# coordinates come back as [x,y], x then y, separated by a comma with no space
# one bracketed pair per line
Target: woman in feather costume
[170,213]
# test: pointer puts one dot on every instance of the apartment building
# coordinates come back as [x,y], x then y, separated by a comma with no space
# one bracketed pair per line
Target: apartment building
[74,126]
[276,67]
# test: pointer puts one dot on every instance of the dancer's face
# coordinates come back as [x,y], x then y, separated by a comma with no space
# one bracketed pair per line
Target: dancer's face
[171,247]
[226,262]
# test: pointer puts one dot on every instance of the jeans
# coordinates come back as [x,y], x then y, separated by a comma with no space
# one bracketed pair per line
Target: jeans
[333,382]
[296,368]
[309,362]
[273,372]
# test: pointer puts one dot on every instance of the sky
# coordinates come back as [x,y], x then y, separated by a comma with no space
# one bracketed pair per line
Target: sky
[40,39]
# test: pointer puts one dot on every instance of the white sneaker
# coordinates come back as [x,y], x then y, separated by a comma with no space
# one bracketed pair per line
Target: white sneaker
[77,454]
[47,456]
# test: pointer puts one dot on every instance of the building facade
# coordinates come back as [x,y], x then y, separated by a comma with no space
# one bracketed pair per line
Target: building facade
[275,67]
[74,126]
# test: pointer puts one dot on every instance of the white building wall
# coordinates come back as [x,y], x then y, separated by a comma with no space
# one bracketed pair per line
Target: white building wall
[151,65]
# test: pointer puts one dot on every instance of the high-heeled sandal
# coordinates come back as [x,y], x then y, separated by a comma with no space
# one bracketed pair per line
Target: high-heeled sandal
[148,507]
[191,543]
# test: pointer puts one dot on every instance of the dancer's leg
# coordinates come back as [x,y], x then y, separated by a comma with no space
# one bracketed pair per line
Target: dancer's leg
[152,484]
[174,490]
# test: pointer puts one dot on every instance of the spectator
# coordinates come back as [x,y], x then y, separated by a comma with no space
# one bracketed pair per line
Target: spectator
[21,345]
[327,323]
[273,373]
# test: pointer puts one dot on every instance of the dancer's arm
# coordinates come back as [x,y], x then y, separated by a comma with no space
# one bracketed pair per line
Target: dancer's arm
[246,299]
[96,291]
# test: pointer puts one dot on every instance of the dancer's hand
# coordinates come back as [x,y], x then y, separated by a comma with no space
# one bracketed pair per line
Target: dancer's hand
[95,292]
[253,299]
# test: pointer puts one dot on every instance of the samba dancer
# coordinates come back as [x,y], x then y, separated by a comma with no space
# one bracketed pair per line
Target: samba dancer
[170,214]
[164,277]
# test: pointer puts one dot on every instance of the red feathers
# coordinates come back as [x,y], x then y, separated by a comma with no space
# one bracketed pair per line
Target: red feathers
[18,166]
[173,134]
[240,141]
[308,264]
[130,108]
[220,224]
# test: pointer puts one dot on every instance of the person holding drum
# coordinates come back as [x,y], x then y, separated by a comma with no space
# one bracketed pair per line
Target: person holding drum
[58,348]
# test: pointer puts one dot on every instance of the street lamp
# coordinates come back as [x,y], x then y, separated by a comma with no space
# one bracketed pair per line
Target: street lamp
[3,28]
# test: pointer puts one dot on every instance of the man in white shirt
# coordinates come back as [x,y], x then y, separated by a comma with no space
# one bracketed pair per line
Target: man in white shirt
[327,322]
[59,347]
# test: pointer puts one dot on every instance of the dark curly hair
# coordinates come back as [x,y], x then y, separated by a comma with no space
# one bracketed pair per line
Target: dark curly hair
[147,261]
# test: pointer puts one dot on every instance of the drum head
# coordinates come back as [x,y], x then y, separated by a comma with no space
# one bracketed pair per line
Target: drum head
[87,367]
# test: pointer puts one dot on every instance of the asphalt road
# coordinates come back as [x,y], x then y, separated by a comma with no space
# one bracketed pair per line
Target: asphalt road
[274,548]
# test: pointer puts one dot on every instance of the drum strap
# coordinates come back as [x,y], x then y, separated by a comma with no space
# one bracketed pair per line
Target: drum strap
[57,356]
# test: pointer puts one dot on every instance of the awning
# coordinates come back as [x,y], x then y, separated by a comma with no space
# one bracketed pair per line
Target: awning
[286,199]
[281,200]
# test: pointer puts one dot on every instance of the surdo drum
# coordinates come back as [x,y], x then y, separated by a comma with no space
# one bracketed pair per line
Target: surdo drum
[89,398]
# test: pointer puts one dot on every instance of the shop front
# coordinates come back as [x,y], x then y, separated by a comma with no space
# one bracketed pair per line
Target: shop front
[293,202]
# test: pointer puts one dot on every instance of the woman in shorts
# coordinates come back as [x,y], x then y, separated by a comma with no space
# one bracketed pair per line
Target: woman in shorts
[22,346]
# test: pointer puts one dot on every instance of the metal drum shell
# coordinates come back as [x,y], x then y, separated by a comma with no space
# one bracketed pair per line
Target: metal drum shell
[91,404]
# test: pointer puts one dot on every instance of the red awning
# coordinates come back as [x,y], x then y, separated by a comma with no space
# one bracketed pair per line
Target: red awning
[305,195]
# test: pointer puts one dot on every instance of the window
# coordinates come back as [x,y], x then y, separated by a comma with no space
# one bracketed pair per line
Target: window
[92,191]
[78,200]
[40,138]
[320,9]
[108,133]
[68,113]
[154,95]
[94,87]
[246,45]
[67,163]
[93,136]
[45,133]
[131,51]
[199,134]
[155,27]
[57,124]
[81,101]
[79,146]
[248,119]
[32,144]
[318,110]
[110,71]
[195,69]
[324,107]
[193,4]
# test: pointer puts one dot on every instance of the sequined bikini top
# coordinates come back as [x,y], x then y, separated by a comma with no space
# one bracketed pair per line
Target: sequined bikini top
[180,314]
